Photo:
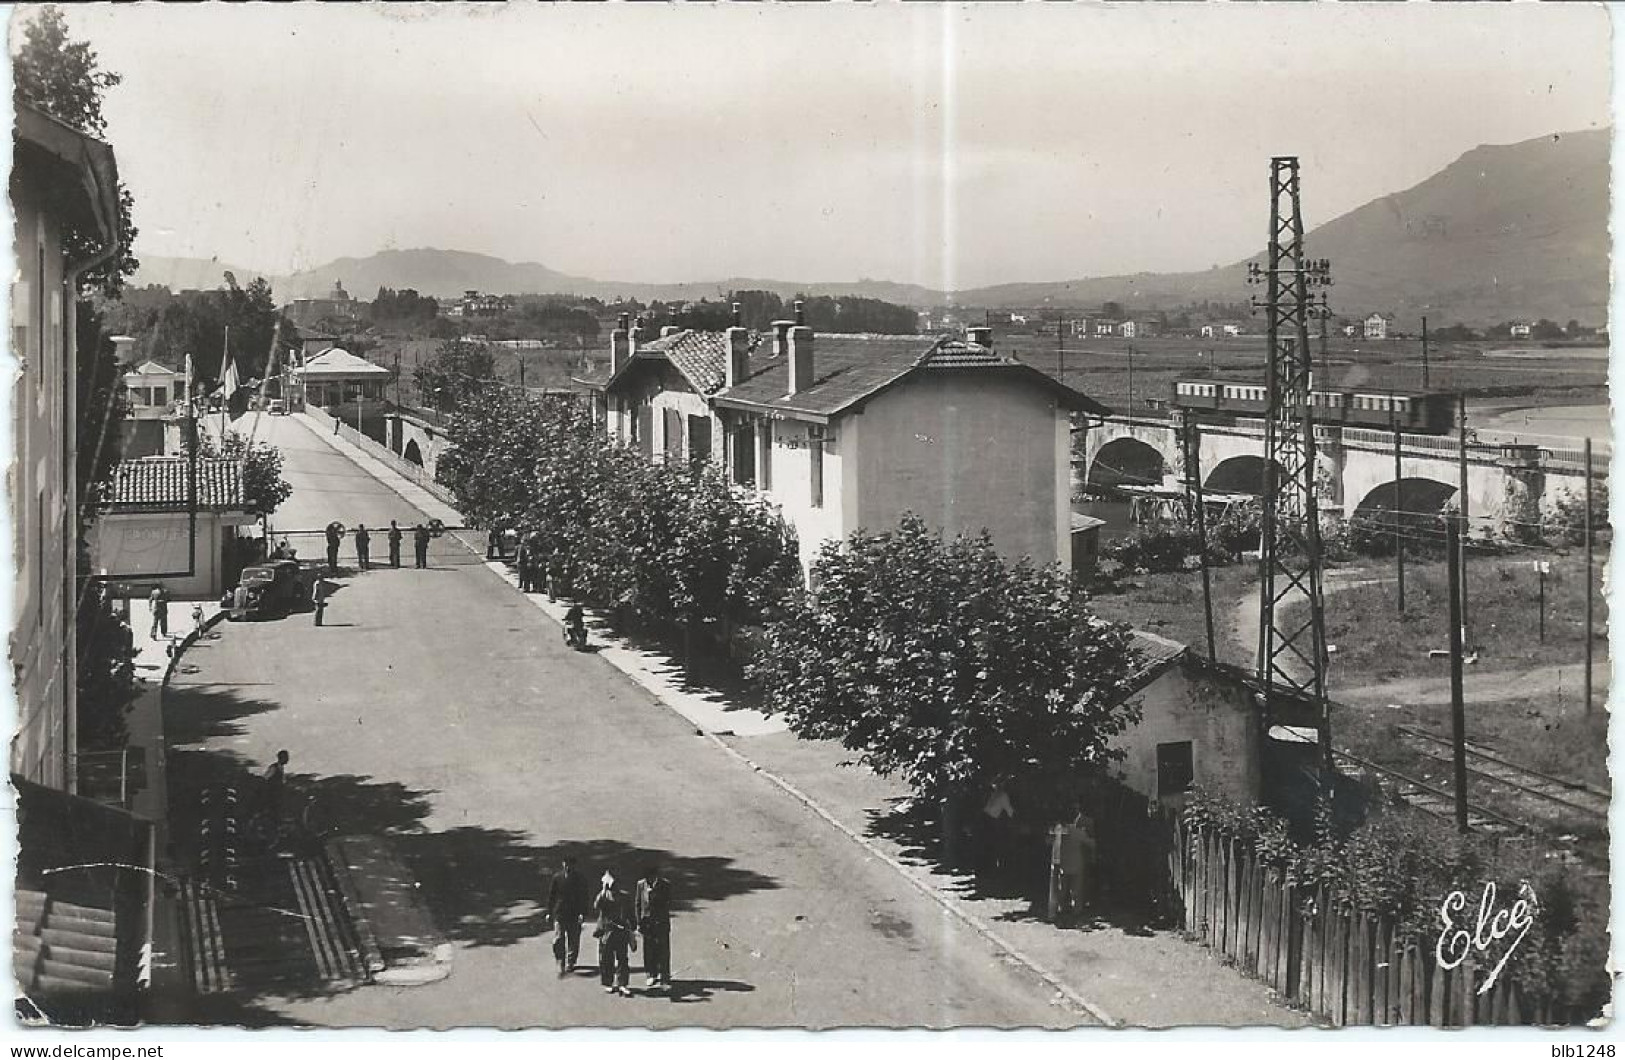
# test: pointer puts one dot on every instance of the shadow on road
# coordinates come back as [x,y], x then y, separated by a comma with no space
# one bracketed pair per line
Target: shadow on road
[483,886]
[689,991]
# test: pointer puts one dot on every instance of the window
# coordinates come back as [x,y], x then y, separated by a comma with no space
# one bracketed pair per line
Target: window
[744,454]
[1176,768]
[815,449]
[672,435]
[699,439]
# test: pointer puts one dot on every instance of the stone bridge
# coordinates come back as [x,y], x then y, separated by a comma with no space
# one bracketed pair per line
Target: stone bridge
[1505,483]
[415,438]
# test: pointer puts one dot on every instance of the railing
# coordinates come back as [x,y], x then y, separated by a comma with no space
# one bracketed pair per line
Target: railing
[413,473]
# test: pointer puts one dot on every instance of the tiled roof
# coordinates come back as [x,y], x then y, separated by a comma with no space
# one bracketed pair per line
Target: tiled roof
[159,483]
[338,362]
[850,368]
[1152,655]
[1085,522]
[702,356]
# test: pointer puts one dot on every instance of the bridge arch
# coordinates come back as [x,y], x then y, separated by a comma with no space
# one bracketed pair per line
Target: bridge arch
[1240,474]
[1126,462]
[1417,498]
[413,453]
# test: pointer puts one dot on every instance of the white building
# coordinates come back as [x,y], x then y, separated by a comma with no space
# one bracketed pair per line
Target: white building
[1377,326]
[843,432]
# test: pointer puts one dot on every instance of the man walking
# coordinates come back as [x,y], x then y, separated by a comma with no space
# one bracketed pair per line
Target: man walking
[653,909]
[159,601]
[566,905]
[394,545]
[615,936]
[420,545]
[318,598]
[335,535]
[363,547]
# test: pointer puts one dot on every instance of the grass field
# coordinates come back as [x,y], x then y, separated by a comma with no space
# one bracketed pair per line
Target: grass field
[1383,675]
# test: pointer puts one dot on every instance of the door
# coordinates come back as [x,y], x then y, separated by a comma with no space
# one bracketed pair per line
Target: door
[699,439]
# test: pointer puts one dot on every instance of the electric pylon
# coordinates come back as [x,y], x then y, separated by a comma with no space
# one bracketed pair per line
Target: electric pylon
[1291,622]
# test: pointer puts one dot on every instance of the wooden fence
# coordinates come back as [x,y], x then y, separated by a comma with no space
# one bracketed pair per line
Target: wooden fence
[1345,967]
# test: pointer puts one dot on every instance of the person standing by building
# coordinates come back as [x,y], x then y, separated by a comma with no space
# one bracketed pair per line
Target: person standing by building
[276,779]
[653,911]
[363,547]
[615,936]
[420,545]
[159,601]
[335,535]
[566,906]
[394,545]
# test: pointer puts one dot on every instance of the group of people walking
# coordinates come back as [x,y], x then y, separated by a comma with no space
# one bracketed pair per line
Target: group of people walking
[363,544]
[621,919]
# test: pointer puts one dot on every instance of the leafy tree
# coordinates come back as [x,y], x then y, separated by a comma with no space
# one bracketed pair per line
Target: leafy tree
[939,661]
[1546,330]
[454,373]
[1112,310]
[64,78]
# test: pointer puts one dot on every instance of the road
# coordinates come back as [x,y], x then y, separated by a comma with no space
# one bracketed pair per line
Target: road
[440,709]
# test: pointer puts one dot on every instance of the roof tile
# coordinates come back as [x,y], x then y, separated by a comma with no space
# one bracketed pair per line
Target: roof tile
[159,483]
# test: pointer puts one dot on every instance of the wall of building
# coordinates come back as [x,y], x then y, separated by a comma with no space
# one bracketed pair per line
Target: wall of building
[964,451]
[42,488]
[131,549]
[1217,717]
[792,482]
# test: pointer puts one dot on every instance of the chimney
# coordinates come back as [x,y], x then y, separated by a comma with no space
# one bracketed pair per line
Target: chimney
[801,358]
[781,337]
[801,316]
[633,336]
[738,357]
[980,336]
[739,320]
[620,345]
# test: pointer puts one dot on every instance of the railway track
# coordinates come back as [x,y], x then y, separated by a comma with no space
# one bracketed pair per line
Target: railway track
[1546,796]
[1434,800]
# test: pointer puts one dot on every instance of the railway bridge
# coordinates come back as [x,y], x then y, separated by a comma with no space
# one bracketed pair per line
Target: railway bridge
[1506,483]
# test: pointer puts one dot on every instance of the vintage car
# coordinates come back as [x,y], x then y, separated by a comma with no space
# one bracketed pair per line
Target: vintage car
[271,588]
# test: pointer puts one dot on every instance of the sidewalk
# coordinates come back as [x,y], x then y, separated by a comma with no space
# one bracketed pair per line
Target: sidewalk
[1149,980]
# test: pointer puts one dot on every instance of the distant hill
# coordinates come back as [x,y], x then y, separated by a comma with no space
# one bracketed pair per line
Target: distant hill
[1502,233]
[184,274]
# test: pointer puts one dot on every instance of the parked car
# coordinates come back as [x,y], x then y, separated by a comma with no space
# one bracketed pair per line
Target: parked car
[272,589]
[277,407]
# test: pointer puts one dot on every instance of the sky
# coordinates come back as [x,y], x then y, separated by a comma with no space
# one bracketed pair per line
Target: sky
[950,146]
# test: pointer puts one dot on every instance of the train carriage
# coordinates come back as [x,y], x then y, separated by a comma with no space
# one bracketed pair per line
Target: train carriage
[1418,412]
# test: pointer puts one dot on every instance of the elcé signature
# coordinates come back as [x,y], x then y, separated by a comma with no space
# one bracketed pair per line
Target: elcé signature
[1456,942]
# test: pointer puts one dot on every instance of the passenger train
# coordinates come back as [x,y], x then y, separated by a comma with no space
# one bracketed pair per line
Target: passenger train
[1418,412]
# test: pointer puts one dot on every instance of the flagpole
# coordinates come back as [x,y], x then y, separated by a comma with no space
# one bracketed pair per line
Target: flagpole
[225,370]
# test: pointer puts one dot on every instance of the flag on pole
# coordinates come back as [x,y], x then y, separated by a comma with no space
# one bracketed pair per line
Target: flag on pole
[230,380]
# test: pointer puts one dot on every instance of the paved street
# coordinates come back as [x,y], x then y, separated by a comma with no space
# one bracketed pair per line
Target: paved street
[440,709]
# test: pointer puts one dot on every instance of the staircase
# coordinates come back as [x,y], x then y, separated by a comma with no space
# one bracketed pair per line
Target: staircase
[283,928]
[62,949]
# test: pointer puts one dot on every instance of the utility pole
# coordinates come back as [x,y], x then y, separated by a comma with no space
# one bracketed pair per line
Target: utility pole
[1399,522]
[1060,349]
[1291,638]
[1461,491]
[1590,607]
[1424,353]
[1458,711]
[1193,473]
[1131,382]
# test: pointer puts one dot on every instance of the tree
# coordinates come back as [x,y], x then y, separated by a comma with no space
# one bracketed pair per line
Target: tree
[1112,310]
[264,488]
[64,79]
[454,373]
[1546,330]
[939,661]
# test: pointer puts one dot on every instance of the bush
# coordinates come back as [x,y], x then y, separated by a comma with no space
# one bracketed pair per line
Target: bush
[1566,523]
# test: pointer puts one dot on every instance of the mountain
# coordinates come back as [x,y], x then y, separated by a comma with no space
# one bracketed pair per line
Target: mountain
[1503,233]
[183,274]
